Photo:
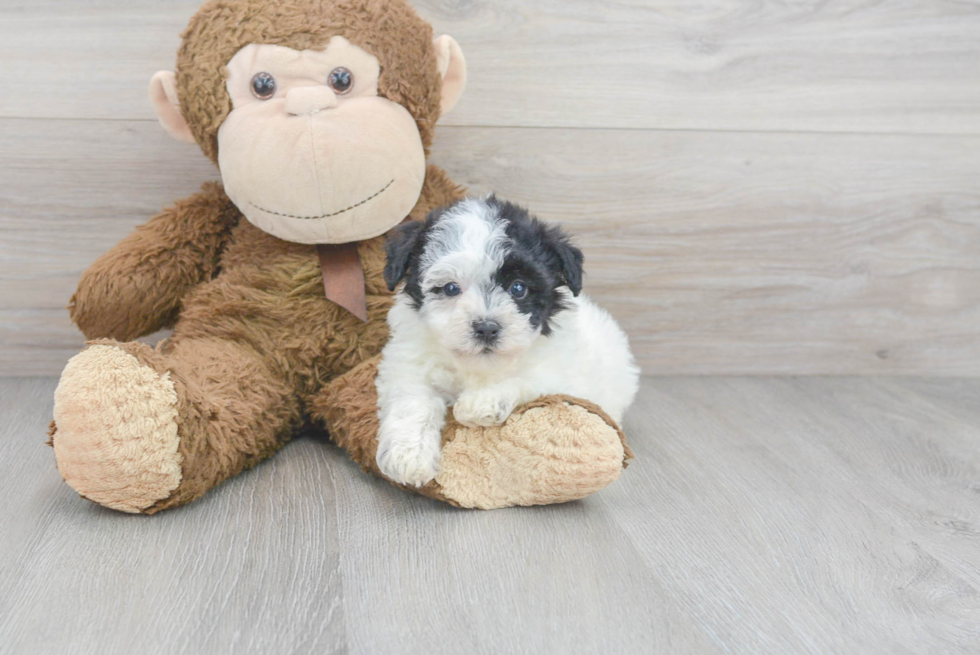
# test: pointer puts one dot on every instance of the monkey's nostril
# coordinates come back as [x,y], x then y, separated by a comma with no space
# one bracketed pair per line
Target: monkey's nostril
[309,100]
[486,331]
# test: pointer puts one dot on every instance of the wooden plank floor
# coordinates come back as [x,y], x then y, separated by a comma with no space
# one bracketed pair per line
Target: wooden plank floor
[762,515]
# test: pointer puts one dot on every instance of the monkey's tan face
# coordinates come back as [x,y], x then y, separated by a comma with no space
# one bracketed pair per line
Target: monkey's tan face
[310,153]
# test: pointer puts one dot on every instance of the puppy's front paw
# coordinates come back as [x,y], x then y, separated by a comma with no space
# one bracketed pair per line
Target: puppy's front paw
[410,461]
[482,409]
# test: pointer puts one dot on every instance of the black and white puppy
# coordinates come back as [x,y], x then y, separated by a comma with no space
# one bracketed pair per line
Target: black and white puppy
[490,316]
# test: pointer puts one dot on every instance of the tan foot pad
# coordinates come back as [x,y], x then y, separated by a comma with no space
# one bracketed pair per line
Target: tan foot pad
[116,439]
[553,452]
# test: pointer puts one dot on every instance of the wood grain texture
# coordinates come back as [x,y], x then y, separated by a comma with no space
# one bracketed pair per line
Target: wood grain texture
[235,576]
[847,65]
[832,482]
[762,515]
[719,252]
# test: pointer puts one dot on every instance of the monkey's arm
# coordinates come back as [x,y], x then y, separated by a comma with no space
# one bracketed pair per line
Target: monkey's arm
[136,288]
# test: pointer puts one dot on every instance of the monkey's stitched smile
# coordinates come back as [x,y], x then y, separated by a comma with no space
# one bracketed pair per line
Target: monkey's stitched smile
[307,218]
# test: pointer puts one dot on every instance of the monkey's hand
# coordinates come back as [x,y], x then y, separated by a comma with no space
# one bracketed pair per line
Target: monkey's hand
[136,288]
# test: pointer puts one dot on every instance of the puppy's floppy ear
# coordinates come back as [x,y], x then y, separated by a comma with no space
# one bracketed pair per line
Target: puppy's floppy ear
[400,246]
[570,258]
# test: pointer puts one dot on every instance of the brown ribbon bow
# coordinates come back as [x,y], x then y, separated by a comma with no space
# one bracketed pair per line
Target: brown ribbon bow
[343,277]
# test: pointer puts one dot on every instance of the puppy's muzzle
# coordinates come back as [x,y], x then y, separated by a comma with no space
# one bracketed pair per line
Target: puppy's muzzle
[486,332]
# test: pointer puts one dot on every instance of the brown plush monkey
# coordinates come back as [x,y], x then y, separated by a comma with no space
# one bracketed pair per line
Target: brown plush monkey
[319,114]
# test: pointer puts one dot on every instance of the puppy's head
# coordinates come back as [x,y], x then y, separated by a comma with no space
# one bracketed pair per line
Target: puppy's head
[485,276]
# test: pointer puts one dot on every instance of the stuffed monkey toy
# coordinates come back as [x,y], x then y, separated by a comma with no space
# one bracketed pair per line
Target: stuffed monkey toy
[319,115]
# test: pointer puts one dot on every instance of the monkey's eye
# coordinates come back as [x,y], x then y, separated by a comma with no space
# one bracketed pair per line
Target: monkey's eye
[517,290]
[340,80]
[451,289]
[263,86]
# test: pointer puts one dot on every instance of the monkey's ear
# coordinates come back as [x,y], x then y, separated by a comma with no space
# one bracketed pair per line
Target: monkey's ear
[452,69]
[163,95]
[399,247]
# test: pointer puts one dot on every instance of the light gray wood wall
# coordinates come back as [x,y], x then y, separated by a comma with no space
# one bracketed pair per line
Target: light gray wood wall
[760,187]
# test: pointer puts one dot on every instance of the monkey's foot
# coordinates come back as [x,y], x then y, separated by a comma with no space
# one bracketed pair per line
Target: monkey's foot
[553,450]
[115,439]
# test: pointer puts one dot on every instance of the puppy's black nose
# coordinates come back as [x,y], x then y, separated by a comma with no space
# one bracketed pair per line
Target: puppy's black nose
[486,331]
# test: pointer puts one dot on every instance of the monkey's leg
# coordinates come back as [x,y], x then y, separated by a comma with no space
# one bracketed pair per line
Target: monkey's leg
[552,450]
[140,430]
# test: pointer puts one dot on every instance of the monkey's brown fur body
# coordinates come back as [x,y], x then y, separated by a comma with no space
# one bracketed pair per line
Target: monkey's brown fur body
[257,350]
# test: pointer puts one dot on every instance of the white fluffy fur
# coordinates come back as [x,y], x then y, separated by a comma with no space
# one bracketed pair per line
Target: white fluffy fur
[432,360]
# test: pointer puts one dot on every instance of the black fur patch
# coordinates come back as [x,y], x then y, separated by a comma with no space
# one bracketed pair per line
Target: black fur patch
[404,248]
[542,257]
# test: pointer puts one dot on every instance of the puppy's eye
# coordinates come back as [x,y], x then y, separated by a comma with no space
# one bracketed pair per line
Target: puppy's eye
[340,80]
[451,289]
[517,290]
[263,86]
